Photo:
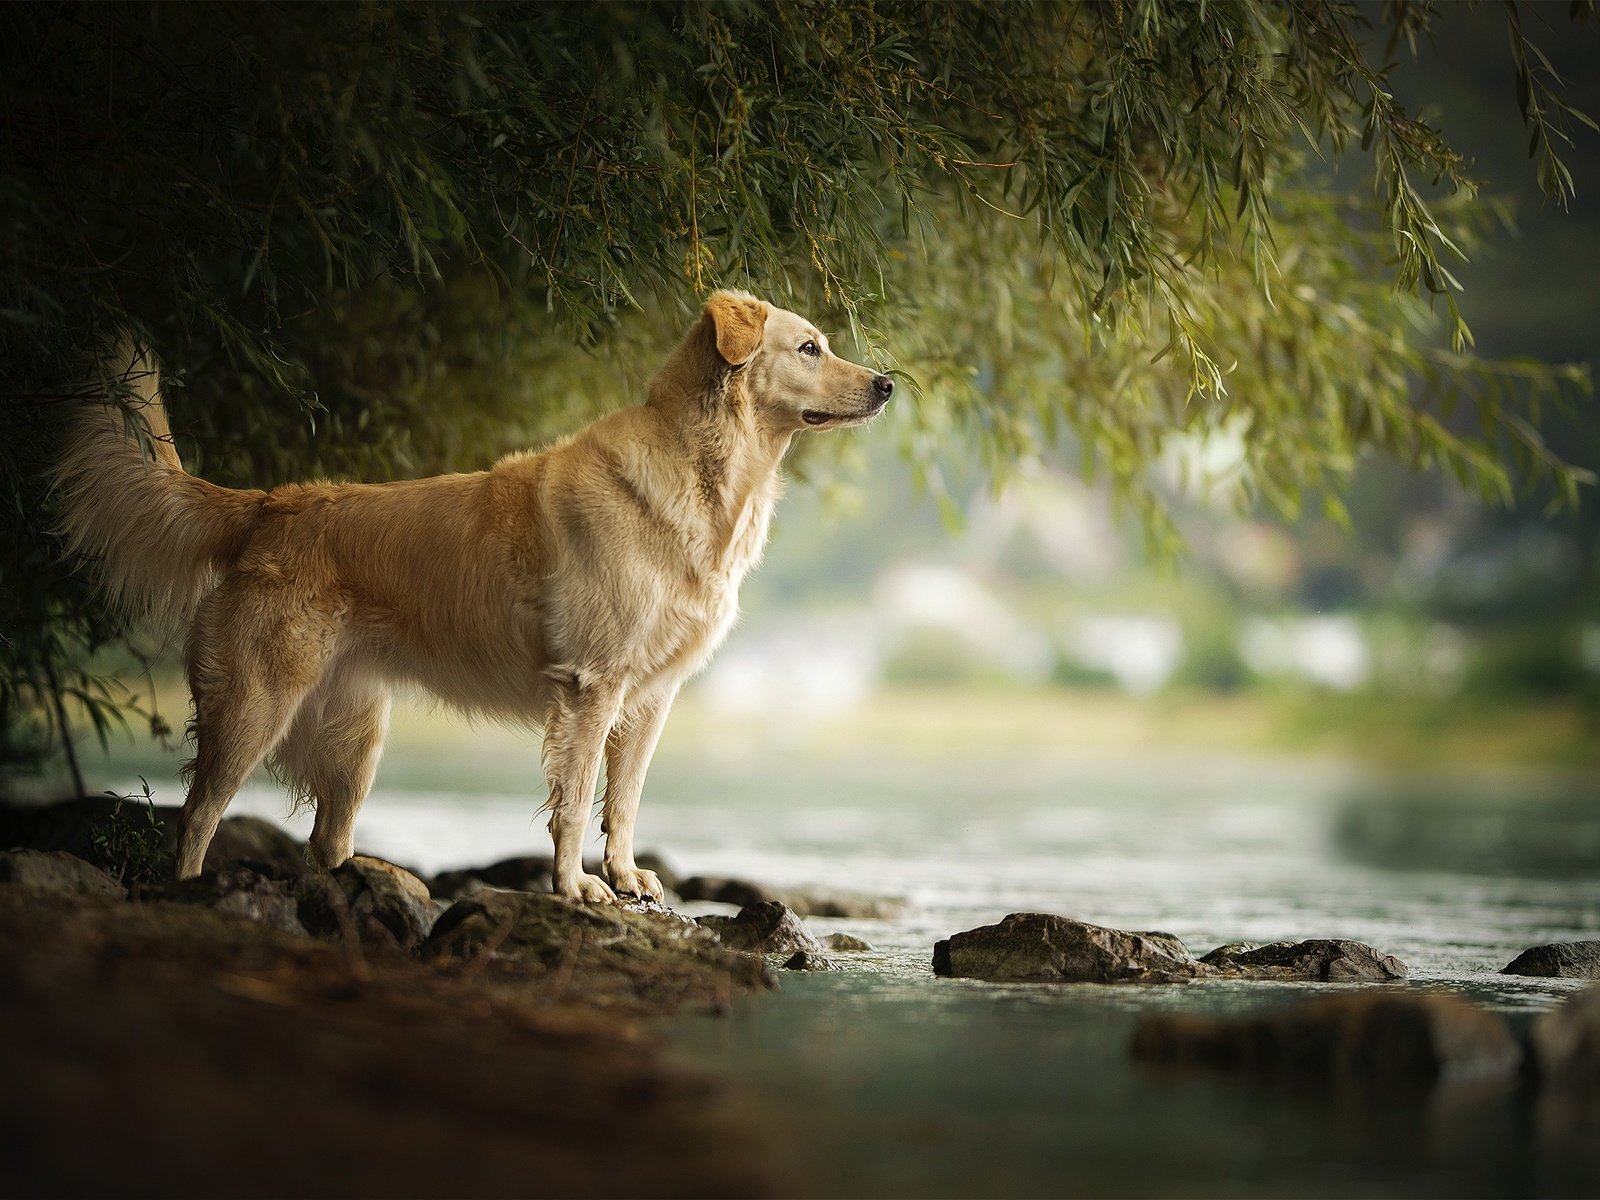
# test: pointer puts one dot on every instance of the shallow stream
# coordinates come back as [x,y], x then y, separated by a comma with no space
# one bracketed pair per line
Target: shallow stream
[895,1082]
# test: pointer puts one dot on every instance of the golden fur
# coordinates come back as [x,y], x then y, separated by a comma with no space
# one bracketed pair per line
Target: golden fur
[575,588]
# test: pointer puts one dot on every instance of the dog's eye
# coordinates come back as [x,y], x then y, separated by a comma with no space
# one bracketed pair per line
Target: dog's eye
[811,348]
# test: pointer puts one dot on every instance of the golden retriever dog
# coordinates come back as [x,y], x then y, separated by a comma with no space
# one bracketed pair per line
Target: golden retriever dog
[575,588]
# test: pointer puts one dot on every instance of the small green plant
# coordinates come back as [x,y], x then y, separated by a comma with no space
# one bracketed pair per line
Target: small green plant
[129,842]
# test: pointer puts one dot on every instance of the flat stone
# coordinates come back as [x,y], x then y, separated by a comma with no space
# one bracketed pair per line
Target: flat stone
[1325,960]
[1558,960]
[1377,1036]
[1043,947]
[57,873]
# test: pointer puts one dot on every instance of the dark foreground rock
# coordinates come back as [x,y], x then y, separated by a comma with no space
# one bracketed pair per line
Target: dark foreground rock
[1372,1037]
[1566,1042]
[1559,960]
[806,902]
[1324,960]
[150,1048]
[599,950]
[1042,947]
[57,873]
[765,927]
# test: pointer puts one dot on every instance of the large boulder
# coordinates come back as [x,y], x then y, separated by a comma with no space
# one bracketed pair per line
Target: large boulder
[1566,1041]
[1558,960]
[57,873]
[1323,960]
[1044,947]
[382,906]
[766,927]
[603,949]
[1378,1037]
[805,901]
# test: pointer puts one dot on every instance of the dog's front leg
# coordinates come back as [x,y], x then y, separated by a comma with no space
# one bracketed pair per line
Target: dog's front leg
[628,752]
[580,715]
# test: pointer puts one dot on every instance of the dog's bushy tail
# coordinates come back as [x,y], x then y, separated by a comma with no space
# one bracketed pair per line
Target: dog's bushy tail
[157,533]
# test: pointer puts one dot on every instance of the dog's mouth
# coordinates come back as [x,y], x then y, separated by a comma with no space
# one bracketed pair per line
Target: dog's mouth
[816,418]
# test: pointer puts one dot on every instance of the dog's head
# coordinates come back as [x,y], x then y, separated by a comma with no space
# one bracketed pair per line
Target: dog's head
[782,363]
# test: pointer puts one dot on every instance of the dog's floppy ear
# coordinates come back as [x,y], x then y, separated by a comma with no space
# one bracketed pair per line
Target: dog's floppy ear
[740,322]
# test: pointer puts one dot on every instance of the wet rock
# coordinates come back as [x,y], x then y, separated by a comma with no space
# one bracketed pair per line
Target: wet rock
[1040,946]
[846,942]
[1566,1041]
[1559,960]
[766,927]
[57,873]
[1378,1037]
[1326,960]
[384,906]
[805,960]
[806,901]
[599,949]
[260,892]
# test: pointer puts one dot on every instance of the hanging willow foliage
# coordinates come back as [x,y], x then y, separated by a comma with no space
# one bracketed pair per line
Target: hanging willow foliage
[382,239]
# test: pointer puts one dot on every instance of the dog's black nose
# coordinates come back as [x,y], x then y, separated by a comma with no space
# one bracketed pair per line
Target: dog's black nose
[884,386]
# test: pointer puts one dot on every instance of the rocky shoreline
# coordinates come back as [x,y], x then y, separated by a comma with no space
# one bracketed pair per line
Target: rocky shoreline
[263,1029]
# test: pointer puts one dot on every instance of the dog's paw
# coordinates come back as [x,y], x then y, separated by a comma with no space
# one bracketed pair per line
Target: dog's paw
[633,881]
[591,889]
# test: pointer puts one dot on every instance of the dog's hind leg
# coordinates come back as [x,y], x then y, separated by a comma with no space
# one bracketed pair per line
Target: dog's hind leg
[628,751]
[247,683]
[576,724]
[330,756]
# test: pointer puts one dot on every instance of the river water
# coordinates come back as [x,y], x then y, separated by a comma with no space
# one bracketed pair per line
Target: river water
[894,1082]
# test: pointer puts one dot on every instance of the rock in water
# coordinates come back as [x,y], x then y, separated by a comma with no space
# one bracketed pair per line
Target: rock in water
[1566,1041]
[804,960]
[386,907]
[57,873]
[1559,960]
[767,927]
[1043,947]
[1374,1037]
[848,943]
[1326,960]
